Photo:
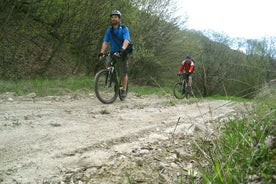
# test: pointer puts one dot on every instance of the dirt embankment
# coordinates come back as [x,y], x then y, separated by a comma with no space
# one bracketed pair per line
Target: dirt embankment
[76,139]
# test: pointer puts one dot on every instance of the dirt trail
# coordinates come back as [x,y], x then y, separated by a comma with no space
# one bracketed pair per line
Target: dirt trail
[52,139]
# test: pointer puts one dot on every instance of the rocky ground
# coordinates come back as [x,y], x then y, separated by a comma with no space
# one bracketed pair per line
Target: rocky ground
[77,139]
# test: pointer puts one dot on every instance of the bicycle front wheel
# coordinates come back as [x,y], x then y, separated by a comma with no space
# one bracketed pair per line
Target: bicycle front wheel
[179,90]
[106,87]
[187,91]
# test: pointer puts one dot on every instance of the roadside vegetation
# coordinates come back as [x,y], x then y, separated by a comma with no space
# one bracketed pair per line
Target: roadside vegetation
[245,148]
[54,39]
[72,84]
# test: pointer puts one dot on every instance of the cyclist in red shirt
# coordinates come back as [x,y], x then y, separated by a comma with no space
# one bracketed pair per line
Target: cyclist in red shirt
[187,67]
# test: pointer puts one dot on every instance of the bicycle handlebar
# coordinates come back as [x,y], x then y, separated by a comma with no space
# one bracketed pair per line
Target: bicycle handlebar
[105,54]
[117,54]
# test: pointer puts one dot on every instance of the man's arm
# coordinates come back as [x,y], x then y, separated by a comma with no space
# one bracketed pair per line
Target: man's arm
[126,37]
[125,44]
[192,67]
[181,67]
[104,46]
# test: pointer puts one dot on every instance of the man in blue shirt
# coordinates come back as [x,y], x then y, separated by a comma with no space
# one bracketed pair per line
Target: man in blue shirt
[119,38]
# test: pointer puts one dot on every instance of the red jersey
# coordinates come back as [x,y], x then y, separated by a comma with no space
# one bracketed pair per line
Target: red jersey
[188,65]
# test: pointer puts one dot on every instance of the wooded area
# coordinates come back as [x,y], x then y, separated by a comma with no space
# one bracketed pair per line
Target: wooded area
[54,38]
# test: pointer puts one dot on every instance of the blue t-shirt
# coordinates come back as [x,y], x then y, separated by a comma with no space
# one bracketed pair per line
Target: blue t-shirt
[121,34]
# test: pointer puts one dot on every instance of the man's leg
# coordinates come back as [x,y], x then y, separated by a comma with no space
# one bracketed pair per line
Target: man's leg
[124,82]
[190,80]
[124,76]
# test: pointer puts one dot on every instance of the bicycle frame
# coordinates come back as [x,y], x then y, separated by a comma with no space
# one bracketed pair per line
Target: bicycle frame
[113,67]
[107,85]
[181,88]
[185,80]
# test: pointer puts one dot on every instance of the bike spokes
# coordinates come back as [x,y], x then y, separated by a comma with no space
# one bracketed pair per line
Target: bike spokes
[106,87]
[178,90]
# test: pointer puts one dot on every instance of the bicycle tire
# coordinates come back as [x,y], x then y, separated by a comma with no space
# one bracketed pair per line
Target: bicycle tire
[106,87]
[187,91]
[178,90]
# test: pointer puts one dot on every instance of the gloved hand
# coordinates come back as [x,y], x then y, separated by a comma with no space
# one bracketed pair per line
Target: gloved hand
[122,52]
[100,55]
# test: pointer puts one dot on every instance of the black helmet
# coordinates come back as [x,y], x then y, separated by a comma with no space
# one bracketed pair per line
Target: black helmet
[115,12]
[188,56]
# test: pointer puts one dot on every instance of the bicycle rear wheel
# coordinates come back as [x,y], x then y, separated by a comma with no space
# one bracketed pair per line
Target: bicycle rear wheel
[106,87]
[179,90]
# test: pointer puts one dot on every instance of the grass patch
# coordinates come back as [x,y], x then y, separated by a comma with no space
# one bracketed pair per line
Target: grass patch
[241,153]
[47,87]
[70,84]
[104,111]
[65,85]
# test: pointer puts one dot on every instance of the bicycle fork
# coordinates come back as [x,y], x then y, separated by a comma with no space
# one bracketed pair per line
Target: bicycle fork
[108,80]
[185,87]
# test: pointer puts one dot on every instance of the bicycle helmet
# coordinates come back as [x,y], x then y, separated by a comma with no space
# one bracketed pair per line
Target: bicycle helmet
[115,12]
[188,56]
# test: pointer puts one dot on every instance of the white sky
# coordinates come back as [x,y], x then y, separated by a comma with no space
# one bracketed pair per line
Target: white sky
[236,18]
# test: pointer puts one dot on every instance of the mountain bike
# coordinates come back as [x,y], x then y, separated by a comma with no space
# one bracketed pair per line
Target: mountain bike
[181,89]
[107,84]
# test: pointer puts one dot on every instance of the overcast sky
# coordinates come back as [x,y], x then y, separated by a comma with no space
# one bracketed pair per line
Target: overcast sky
[236,18]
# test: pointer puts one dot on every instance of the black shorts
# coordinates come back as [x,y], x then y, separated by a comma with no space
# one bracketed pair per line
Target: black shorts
[122,63]
[186,75]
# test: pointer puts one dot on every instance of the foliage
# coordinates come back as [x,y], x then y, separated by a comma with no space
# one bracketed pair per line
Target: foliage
[240,154]
[53,38]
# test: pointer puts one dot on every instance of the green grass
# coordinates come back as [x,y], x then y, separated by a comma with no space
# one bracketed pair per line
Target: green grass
[240,153]
[71,84]
[61,86]
[47,87]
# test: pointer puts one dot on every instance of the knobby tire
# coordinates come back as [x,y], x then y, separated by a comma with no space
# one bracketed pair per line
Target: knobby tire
[178,90]
[106,87]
